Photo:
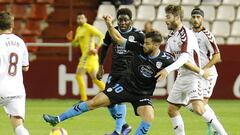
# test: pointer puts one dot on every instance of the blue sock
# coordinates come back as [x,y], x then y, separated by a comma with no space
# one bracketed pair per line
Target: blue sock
[74,111]
[143,128]
[120,117]
[113,110]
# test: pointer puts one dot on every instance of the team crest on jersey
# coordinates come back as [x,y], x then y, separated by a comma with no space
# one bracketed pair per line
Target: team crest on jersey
[131,38]
[109,89]
[158,64]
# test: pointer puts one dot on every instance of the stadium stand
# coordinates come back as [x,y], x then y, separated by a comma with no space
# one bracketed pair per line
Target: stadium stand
[6,1]
[191,2]
[224,11]
[37,20]
[106,9]
[139,24]
[161,12]
[143,15]
[175,2]
[155,3]
[210,12]
[219,31]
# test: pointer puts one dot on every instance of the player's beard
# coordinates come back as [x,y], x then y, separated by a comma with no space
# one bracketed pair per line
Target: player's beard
[147,51]
[197,25]
[172,25]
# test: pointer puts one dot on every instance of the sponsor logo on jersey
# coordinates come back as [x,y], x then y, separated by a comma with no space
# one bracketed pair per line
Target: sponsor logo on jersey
[146,71]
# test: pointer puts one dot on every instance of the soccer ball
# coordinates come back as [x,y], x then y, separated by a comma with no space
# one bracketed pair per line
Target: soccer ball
[58,131]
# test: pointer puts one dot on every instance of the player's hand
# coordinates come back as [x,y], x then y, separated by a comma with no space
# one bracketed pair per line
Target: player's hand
[92,52]
[100,73]
[206,74]
[69,35]
[161,75]
[108,20]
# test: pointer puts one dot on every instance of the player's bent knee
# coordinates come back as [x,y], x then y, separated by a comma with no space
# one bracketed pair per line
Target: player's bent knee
[198,110]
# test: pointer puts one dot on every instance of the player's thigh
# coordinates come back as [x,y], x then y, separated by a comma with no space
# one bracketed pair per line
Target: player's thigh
[194,90]
[92,69]
[177,94]
[146,112]
[15,107]
[81,70]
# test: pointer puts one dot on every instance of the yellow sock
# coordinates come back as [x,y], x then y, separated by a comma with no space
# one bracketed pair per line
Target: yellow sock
[82,87]
[100,84]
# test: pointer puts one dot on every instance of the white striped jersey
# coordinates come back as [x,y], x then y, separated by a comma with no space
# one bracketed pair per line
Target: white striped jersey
[208,47]
[182,41]
[13,55]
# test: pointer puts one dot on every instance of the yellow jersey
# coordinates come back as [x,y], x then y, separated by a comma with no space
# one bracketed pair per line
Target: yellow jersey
[85,39]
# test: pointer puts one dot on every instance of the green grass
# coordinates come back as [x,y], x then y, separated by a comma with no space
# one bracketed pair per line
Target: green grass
[98,122]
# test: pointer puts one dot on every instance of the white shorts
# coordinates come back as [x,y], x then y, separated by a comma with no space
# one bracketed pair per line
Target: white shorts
[185,88]
[14,106]
[208,85]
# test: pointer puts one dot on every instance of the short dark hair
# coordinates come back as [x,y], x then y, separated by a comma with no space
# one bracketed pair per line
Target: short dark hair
[156,36]
[197,11]
[80,13]
[176,10]
[124,11]
[5,20]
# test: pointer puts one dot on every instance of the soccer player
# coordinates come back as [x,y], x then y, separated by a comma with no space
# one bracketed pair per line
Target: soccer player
[84,38]
[186,89]
[209,55]
[120,60]
[148,27]
[136,85]
[13,60]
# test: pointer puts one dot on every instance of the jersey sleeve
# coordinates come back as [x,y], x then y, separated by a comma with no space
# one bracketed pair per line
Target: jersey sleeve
[141,37]
[25,61]
[107,39]
[134,46]
[97,33]
[75,40]
[211,43]
[168,59]
[167,48]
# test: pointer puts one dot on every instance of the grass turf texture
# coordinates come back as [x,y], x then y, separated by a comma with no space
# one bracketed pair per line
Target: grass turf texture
[98,122]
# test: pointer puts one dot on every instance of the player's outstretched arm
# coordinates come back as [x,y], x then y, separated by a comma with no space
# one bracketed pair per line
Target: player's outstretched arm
[116,36]
[204,73]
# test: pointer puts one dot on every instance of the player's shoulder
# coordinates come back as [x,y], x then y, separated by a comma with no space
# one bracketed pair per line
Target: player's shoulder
[136,30]
[208,34]
[166,55]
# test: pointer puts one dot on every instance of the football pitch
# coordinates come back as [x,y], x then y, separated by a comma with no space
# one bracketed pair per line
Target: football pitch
[98,122]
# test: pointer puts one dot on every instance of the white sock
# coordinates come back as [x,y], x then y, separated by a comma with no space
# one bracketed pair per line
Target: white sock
[207,107]
[21,130]
[189,107]
[212,119]
[178,125]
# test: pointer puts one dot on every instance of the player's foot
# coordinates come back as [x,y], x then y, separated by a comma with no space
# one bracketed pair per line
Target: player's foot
[114,133]
[209,129]
[215,133]
[53,120]
[126,129]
